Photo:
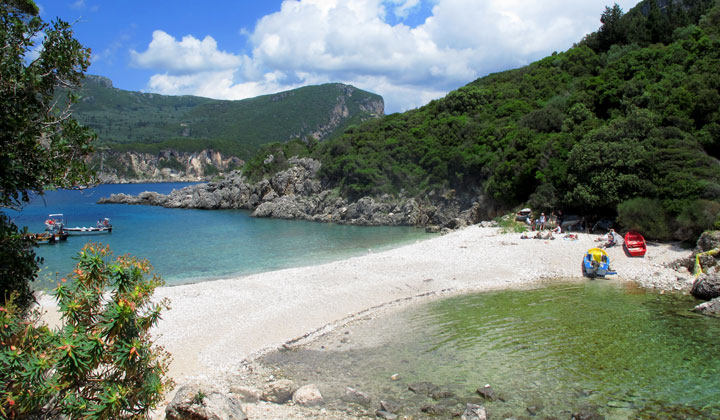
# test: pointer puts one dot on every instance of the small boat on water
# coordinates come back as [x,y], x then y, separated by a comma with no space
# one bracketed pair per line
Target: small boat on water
[635,244]
[102,226]
[48,237]
[54,231]
[596,263]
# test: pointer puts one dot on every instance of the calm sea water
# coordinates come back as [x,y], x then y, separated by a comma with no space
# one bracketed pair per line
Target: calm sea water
[612,349]
[187,245]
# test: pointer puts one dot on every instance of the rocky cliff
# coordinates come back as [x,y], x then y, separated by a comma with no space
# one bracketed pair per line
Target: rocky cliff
[297,193]
[168,165]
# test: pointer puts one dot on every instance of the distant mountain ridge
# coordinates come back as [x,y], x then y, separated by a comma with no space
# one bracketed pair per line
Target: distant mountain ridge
[149,122]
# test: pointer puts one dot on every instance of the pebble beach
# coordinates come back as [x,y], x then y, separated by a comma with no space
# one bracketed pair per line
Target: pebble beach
[214,328]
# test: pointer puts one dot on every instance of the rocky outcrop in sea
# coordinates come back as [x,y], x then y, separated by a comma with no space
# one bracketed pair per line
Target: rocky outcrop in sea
[298,193]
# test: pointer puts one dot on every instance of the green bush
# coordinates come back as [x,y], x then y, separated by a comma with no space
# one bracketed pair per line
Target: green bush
[101,363]
[697,217]
[646,216]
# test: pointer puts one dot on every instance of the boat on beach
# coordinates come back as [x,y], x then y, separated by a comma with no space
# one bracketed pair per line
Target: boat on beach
[102,226]
[635,244]
[596,263]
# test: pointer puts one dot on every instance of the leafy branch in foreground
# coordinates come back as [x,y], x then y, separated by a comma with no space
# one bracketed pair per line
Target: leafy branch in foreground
[101,363]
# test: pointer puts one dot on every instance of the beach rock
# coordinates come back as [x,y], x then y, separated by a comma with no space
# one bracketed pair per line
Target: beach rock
[487,392]
[246,394]
[278,392]
[474,412]
[708,240]
[352,395]
[186,405]
[711,308]
[706,286]
[308,396]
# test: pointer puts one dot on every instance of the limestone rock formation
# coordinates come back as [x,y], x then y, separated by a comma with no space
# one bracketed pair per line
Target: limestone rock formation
[192,403]
[297,193]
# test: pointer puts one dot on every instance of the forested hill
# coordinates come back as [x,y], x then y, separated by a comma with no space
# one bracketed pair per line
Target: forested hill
[628,121]
[147,122]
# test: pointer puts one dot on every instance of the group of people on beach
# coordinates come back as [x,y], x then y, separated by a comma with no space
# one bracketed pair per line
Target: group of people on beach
[610,239]
[538,225]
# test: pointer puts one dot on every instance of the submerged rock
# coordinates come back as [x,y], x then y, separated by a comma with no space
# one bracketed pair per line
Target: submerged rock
[711,308]
[423,388]
[487,392]
[352,395]
[382,414]
[474,412]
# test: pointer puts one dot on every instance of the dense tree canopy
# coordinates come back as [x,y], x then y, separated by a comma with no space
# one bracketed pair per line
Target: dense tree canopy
[631,111]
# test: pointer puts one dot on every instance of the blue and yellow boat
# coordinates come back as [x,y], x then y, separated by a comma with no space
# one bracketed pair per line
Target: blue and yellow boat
[596,263]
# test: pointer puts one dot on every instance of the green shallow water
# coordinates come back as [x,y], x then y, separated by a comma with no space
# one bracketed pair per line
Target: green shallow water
[611,349]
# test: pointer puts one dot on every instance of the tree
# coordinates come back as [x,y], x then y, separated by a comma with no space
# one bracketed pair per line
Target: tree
[101,364]
[613,30]
[41,146]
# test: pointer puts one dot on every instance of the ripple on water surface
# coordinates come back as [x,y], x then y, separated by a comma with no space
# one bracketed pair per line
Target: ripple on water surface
[598,346]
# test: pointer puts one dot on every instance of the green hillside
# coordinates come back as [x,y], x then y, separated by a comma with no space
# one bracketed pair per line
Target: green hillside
[627,123]
[148,122]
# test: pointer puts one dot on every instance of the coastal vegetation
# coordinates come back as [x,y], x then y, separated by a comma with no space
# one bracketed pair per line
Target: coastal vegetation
[148,122]
[626,122]
[100,364]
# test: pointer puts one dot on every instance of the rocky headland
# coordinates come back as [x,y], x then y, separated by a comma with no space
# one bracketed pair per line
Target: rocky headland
[298,193]
[166,166]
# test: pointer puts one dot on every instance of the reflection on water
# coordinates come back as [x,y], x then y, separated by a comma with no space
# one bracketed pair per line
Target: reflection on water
[598,346]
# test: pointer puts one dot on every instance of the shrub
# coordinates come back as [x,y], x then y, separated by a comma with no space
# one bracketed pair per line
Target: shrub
[646,216]
[696,217]
[101,363]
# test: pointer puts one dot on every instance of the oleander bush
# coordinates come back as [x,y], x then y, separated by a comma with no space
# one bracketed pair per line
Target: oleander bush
[100,363]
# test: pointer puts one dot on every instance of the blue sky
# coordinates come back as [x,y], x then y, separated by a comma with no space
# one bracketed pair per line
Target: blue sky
[408,51]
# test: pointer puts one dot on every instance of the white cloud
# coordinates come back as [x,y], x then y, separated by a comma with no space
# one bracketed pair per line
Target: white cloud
[351,41]
[190,55]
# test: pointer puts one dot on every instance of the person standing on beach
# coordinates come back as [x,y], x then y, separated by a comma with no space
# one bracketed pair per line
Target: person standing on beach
[542,221]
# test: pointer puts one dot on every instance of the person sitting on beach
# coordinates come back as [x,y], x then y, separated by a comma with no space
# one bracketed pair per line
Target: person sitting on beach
[610,239]
[557,230]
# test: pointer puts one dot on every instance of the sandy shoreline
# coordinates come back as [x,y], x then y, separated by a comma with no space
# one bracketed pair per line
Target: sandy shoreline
[214,326]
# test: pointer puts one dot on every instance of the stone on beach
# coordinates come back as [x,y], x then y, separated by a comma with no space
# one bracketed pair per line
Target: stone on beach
[192,402]
[308,396]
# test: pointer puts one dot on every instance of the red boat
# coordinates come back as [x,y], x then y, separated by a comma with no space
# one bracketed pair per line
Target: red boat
[635,244]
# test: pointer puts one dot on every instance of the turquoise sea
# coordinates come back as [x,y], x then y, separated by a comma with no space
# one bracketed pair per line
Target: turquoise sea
[188,246]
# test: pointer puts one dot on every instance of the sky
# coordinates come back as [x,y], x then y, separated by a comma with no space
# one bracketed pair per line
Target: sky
[408,51]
